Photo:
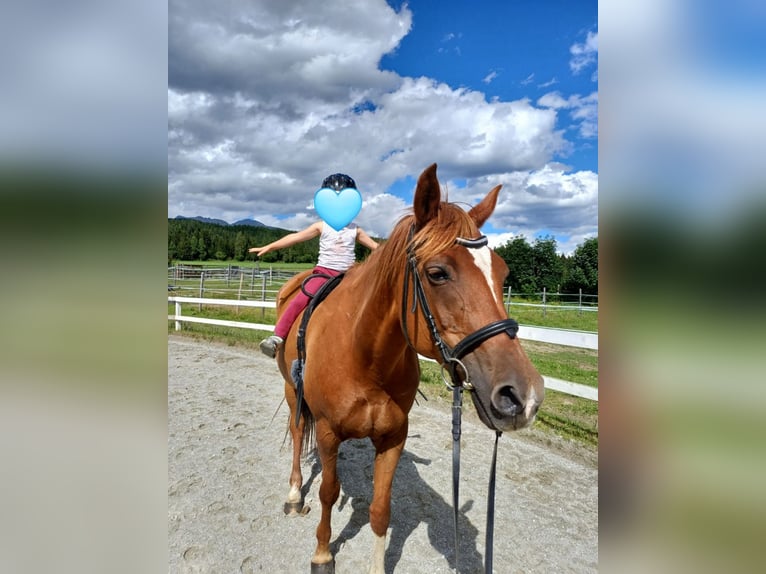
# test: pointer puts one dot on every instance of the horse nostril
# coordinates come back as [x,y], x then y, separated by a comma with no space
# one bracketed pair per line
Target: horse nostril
[506,401]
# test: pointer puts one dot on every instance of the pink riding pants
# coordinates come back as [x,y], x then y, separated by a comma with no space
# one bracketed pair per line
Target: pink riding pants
[301,300]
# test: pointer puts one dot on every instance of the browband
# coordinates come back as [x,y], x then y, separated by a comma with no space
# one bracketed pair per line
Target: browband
[480,241]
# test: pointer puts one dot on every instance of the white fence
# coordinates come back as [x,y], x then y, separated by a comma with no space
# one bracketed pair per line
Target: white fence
[567,337]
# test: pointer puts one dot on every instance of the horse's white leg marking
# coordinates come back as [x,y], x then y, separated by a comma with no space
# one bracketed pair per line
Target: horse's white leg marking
[295,494]
[483,259]
[378,554]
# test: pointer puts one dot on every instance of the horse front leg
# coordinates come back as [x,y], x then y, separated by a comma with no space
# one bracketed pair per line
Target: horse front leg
[327,444]
[294,504]
[387,455]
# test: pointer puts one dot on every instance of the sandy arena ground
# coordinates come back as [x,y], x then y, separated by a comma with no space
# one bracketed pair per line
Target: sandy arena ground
[228,465]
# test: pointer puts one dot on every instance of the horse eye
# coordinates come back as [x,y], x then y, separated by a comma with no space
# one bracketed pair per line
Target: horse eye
[437,274]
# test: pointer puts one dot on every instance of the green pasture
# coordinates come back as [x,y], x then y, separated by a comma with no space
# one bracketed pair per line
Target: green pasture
[555,317]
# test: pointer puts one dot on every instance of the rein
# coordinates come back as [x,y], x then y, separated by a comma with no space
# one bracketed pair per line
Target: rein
[451,358]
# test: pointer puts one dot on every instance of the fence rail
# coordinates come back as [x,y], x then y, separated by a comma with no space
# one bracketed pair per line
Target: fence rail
[580,339]
[265,283]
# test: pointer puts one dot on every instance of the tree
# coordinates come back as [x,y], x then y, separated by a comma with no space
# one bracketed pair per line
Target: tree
[547,268]
[519,257]
[240,246]
[201,249]
[583,268]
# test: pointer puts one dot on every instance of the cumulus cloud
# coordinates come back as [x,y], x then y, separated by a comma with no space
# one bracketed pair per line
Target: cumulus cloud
[551,198]
[265,101]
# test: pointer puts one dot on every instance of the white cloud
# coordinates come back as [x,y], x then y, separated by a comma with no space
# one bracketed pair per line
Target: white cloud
[582,109]
[551,199]
[381,212]
[489,77]
[585,54]
[265,102]
[548,84]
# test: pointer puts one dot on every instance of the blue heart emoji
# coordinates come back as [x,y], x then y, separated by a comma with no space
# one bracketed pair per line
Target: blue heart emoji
[338,208]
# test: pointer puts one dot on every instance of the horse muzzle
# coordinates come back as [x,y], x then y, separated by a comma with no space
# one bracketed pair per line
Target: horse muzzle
[507,408]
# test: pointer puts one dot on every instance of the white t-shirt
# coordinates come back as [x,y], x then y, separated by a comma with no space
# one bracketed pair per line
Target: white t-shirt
[336,248]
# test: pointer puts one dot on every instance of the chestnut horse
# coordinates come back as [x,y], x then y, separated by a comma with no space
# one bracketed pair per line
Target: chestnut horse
[361,372]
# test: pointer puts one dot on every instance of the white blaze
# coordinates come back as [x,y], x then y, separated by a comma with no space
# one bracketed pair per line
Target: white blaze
[483,259]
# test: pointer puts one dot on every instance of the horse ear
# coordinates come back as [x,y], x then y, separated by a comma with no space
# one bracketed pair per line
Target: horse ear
[428,196]
[481,212]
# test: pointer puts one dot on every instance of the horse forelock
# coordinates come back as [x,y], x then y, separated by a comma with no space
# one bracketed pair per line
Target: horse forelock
[435,237]
[440,233]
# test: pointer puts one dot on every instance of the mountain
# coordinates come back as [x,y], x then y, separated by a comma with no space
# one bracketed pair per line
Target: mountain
[204,219]
[250,222]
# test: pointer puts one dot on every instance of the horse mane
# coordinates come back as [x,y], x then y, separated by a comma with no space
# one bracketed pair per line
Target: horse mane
[434,237]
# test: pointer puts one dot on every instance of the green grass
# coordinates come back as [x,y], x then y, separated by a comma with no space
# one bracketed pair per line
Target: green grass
[570,417]
[566,363]
[245,287]
[248,338]
[555,318]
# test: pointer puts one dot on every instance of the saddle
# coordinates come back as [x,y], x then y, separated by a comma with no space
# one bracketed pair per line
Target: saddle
[296,369]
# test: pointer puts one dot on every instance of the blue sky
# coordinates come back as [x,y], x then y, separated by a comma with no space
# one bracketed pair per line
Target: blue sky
[507,50]
[265,99]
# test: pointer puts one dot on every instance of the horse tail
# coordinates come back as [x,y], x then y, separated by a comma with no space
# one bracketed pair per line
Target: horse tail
[309,435]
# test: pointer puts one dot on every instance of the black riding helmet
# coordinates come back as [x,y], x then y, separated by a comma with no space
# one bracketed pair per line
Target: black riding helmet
[338,181]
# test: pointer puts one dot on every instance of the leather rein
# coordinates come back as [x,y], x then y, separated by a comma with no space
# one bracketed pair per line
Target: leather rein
[451,361]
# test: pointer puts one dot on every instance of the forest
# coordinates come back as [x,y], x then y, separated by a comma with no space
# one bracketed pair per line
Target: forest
[533,266]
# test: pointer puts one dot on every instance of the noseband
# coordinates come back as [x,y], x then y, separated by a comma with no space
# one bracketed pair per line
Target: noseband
[451,359]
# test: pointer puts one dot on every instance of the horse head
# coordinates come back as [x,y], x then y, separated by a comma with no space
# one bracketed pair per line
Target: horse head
[461,281]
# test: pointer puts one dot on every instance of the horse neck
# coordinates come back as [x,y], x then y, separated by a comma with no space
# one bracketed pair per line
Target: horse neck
[379,310]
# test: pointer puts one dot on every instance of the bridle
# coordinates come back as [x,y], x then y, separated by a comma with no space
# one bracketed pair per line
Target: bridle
[451,359]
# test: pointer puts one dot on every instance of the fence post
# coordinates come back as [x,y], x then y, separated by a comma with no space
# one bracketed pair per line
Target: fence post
[228,274]
[201,287]
[544,302]
[178,314]
[580,310]
[252,281]
[263,295]
[239,293]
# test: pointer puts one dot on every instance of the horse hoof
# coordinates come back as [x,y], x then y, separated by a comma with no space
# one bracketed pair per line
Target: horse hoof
[326,568]
[296,509]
